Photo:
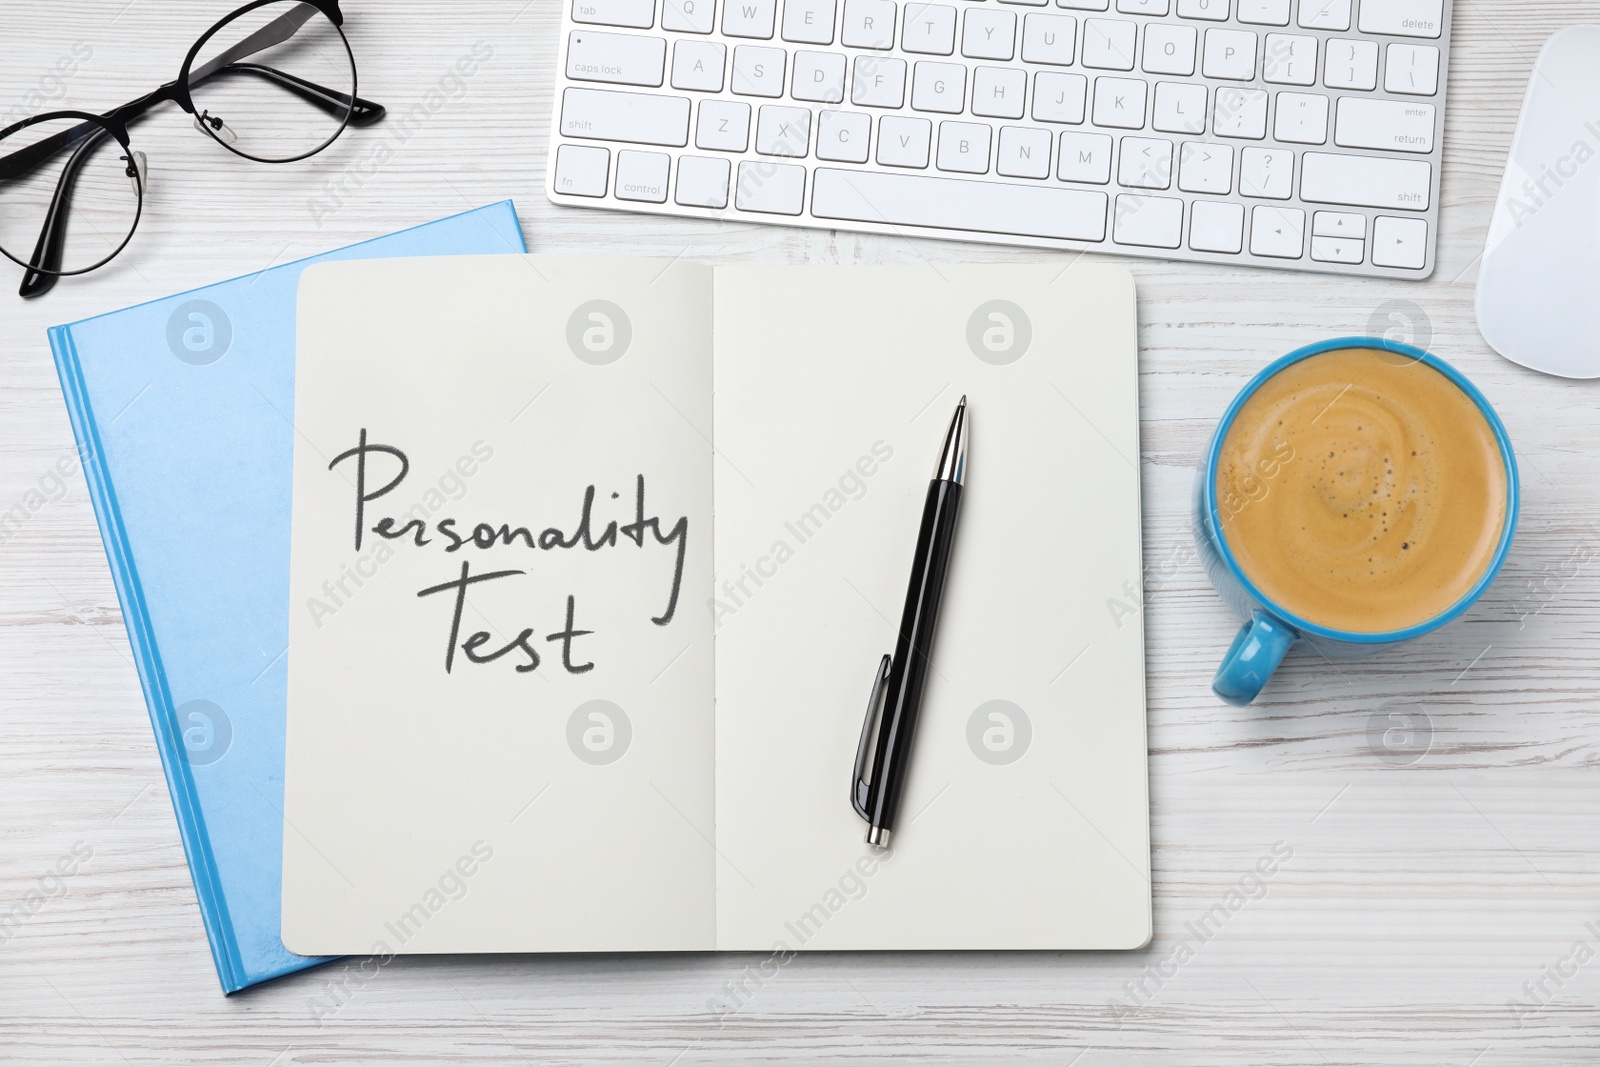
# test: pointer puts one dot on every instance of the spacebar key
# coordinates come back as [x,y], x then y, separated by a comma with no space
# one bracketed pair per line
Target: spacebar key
[638,118]
[953,204]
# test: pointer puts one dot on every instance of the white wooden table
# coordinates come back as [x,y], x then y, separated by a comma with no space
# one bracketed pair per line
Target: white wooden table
[1436,878]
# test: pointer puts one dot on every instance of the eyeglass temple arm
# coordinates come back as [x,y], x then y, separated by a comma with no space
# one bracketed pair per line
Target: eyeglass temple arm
[48,251]
[362,112]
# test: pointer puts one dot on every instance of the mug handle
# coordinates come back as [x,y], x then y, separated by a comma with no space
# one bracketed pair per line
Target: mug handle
[1255,654]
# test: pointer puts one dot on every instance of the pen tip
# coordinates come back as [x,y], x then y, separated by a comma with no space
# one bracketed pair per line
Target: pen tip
[963,401]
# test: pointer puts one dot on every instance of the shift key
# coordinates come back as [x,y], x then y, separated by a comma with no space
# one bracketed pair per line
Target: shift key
[637,118]
[1366,181]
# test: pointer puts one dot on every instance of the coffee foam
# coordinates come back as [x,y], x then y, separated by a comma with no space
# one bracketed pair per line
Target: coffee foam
[1362,491]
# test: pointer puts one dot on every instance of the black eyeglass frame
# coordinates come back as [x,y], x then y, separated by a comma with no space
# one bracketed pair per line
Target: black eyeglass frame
[353,110]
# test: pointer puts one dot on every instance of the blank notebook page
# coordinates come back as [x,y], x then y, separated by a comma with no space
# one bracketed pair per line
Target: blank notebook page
[1025,823]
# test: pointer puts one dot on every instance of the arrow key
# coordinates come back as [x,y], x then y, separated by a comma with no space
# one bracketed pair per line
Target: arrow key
[1399,243]
[1339,224]
[1278,232]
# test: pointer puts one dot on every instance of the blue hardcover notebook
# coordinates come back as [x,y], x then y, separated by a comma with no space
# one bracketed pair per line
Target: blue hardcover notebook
[182,410]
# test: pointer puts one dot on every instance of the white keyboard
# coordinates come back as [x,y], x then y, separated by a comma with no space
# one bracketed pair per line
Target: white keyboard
[1278,133]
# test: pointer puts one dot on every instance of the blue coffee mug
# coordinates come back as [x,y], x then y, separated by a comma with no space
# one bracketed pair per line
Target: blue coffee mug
[1270,629]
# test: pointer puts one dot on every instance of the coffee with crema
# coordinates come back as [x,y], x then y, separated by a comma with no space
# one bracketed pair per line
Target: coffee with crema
[1362,490]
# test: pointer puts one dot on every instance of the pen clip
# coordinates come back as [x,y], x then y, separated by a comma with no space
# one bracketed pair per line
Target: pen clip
[858,780]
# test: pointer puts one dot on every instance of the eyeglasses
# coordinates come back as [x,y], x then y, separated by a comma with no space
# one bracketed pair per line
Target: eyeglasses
[274,82]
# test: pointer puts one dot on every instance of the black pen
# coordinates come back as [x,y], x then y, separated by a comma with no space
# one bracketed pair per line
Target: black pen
[902,676]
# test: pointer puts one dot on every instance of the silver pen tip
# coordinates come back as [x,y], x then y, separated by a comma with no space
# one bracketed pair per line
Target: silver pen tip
[953,457]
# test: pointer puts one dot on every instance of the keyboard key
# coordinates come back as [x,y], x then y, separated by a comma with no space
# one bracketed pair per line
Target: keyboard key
[643,176]
[606,115]
[1264,12]
[1108,44]
[964,147]
[724,126]
[1402,18]
[1049,38]
[1205,168]
[818,76]
[582,170]
[639,14]
[1240,113]
[783,131]
[879,82]
[771,188]
[749,18]
[1149,221]
[619,58]
[1366,181]
[1395,125]
[1339,224]
[758,71]
[998,92]
[1411,69]
[1230,54]
[904,141]
[1085,5]
[960,204]
[807,21]
[1180,108]
[930,29]
[988,34]
[1325,14]
[1267,173]
[1059,97]
[868,23]
[1289,59]
[1169,49]
[1337,250]
[939,87]
[1399,243]
[1215,227]
[1351,65]
[702,182]
[843,136]
[1144,7]
[1028,3]
[1145,163]
[1119,103]
[1085,157]
[1278,232]
[698,65]
[689,16]
[1024,152]
[1210,10]
[1302,118]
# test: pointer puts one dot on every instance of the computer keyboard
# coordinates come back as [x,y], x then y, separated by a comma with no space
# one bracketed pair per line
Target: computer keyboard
[1278,133]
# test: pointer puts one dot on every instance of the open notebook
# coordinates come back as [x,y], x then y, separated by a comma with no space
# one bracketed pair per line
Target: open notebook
[593,562]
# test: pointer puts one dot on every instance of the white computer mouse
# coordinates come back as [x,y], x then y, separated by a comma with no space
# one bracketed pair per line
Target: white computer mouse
[1539,284]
